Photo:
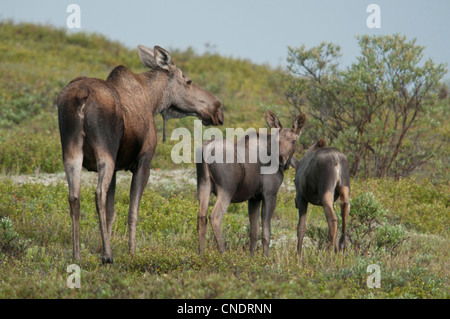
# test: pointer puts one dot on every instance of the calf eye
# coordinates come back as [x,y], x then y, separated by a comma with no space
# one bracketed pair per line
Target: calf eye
[293,142]
[189,82]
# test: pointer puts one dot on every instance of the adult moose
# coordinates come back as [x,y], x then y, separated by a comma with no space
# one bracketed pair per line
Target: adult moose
[242,180]
[106,126]
[322,176]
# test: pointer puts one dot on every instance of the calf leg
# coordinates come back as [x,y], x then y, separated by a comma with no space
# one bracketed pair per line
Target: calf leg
[216,217]
[204,193]
[268,207]
[254,207]
[327,203]
[302,206]
[345,210]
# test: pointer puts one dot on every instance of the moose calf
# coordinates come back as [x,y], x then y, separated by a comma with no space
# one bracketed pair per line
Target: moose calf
[322,176]
[240,180]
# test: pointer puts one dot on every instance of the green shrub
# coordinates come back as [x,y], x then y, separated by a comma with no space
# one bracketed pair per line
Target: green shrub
[390,237]
[368,227]
[26,152]
[10,243]
[319,235]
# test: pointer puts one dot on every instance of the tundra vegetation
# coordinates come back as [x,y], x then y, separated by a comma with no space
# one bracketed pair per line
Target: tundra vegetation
[399,220]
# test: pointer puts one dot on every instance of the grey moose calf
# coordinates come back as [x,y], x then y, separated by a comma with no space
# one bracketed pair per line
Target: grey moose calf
[241,180]
[322,176]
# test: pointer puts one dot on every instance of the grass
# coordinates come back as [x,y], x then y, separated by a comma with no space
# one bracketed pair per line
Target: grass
[167,264]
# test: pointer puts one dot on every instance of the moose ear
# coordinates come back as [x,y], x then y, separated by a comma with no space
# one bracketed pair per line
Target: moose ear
[299,123]
[294,162]
[147,56]
[272,120]
[163,58]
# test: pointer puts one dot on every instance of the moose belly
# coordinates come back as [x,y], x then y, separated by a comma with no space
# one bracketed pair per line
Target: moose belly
[248,188]
[245,193]
[316,198]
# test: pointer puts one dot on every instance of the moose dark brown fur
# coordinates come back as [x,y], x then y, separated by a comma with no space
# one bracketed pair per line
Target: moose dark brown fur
[241,181]
[106,126]
[322,176]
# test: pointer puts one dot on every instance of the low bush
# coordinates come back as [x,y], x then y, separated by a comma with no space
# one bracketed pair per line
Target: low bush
[10,242]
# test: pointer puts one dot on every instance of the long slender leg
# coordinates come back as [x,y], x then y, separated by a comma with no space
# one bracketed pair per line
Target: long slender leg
[105,167]
[164,129]
[220,207]
[73,163]
[73,167]
[204,193]
[138,183]
[110,211]
[327,203]
[268,207]
[254,207]
[302,205]
[345,210]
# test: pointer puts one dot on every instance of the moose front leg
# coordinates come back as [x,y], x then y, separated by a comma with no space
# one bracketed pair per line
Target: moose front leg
[138,183]
[254,207]
[268,207]
[302,206]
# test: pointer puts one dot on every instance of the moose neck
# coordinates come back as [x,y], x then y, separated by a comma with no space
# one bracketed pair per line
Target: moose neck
[266,142]
[156,86]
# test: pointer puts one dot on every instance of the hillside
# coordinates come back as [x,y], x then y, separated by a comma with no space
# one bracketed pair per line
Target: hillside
[37,61]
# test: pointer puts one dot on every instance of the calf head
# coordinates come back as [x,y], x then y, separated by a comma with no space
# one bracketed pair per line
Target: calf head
[184,97]
[287,136]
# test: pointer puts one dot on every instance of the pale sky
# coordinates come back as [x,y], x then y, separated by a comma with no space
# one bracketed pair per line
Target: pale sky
[258,30]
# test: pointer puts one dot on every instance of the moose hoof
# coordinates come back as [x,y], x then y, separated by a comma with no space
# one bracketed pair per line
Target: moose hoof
[108,260]
[342,245]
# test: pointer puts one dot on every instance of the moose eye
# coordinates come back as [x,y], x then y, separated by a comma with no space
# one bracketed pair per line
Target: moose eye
[189,82]
[293,142]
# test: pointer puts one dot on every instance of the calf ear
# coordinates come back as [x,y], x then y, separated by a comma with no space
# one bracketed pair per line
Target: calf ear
[299,122]
[163,58]
[294,162]
[272,120]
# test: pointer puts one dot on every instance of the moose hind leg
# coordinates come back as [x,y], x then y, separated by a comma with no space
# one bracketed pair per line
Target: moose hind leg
[110,211]
[138,183]
[73,167]
[345,210]
[105,167]
[216,217]
[327,203]
[204,193]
